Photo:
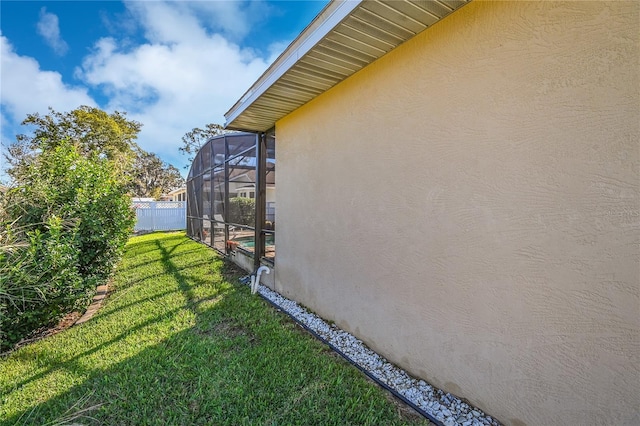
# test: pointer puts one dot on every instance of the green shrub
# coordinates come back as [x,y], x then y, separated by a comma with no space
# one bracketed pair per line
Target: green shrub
[39,280]
[242,211]
[65,225]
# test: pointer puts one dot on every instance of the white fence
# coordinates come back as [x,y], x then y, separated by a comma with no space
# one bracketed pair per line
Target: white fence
[160,215]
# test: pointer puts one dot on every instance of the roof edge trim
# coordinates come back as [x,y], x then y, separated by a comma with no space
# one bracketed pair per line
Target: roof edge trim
[329,18]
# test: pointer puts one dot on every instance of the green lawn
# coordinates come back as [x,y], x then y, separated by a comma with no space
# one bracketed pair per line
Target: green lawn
[179,342]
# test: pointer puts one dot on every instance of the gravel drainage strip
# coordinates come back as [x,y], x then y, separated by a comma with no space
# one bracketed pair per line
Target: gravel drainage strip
[436,405]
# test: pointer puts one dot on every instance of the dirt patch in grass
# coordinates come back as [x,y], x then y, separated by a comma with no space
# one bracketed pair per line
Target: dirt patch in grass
[228,329]
[66,322]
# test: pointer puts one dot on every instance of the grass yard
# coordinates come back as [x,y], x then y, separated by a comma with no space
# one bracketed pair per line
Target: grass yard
[179,342]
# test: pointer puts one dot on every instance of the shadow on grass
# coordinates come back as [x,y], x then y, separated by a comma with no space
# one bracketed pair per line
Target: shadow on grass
[131,283]
[235,361]
[142,247]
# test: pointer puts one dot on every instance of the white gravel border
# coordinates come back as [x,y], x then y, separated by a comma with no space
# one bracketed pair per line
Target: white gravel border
[444,407]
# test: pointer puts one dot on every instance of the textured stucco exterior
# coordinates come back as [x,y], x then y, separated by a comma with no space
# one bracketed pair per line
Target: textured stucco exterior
[468,205]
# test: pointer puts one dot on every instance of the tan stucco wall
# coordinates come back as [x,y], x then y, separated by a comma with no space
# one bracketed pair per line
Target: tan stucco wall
[468,205]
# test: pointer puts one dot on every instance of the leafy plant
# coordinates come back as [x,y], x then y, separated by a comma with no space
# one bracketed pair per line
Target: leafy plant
[242,211]
[65,225]
[93,132]
[39,280]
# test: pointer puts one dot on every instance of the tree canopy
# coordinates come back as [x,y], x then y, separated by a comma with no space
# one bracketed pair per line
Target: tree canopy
[95,134]
[91,130]
[193,140]
[151,177]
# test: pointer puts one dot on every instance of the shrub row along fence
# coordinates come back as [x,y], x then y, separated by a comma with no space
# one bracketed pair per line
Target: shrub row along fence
[160,215]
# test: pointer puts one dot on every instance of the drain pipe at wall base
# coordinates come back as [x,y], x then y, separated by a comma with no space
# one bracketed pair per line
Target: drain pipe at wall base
[255,279]
[395,393]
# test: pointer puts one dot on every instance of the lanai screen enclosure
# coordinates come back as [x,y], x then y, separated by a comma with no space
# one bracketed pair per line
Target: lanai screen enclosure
[231,188]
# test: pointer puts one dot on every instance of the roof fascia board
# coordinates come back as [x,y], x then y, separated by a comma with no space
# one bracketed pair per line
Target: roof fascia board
[298,48]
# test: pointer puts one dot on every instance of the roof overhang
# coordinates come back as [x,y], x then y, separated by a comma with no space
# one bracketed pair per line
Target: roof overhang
[345,37]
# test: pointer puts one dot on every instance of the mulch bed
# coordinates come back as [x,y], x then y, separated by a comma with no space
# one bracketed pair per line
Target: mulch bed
[67,321]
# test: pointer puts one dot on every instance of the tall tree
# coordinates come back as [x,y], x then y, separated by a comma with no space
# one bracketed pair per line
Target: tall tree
[96,134]
[193,140]
[152,177]
[93,132]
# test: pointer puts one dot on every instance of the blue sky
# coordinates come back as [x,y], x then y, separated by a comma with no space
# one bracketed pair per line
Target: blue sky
[172,65]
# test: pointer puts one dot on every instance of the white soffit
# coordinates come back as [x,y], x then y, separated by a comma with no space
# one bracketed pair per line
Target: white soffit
[345,37]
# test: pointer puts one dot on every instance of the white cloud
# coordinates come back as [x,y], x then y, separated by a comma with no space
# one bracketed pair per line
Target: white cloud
[184,77]
[26,89]
[167,23]
[188,73]
[173,21]
[49,29]
[276,49]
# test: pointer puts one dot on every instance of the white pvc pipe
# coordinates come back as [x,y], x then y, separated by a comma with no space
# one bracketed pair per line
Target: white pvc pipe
[255,279]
